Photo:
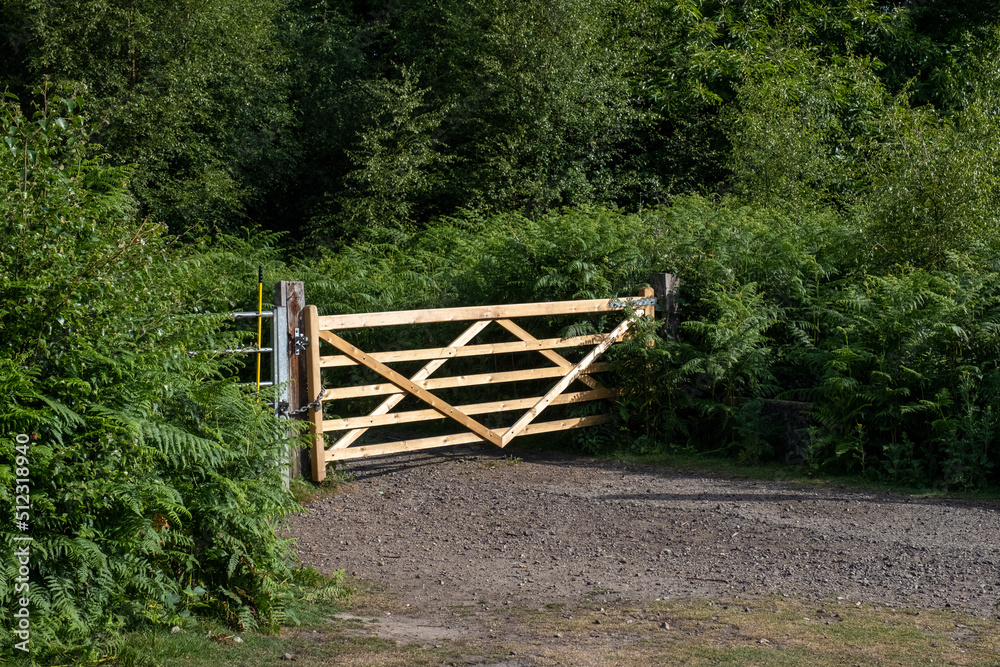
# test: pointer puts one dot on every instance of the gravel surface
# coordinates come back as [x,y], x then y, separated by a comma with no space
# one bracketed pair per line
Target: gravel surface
[456,527]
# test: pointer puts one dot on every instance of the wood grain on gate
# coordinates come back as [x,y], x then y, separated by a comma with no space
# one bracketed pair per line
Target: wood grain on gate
[396,386]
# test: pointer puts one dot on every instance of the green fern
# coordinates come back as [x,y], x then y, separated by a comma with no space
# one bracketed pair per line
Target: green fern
[150,471]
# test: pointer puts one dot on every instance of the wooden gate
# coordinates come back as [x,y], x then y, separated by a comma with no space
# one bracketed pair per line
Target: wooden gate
[420,385]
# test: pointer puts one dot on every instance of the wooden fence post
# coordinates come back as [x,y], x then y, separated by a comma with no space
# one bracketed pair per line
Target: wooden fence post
[289,299]
[665,285]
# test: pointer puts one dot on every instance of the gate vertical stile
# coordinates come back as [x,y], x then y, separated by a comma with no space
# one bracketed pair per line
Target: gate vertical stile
[648,310]
[310,328]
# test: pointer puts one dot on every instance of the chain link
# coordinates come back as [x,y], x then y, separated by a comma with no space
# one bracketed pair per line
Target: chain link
[283,410]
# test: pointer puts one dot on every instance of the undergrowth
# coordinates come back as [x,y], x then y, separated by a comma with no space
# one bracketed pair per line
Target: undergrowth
[809,330]
[791,343]
[155,481]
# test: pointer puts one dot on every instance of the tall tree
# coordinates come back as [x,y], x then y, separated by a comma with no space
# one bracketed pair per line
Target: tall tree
[191,92]
[530,103]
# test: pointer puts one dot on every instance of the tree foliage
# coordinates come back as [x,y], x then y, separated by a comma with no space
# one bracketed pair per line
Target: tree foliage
[519,107]
[193,94]
[330,118]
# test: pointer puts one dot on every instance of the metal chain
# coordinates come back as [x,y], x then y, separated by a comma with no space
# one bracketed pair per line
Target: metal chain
[283,410]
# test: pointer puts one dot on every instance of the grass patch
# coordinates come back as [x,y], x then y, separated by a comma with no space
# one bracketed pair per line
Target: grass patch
[314,635]
[768,632]
[304,491]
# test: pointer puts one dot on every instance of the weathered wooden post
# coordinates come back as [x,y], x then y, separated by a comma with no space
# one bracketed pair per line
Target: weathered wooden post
[289,299]
[665,286]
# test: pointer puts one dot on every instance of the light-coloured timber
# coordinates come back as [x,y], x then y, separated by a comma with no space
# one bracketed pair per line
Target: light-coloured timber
[554,357]
[411,387]
[313,383]
[421,385]
[453,352]
[396,418]
[452,381]
[650,310]
[425,372]
[546,400]
[359,320]
[457,439]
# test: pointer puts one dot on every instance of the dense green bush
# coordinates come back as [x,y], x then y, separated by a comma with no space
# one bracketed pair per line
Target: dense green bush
[154,481]
[748,278]
[908,376]
[898,369]
[901,370]
[488,259]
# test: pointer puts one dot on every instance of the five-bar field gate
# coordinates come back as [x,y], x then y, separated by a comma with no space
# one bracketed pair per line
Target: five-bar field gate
[329,332]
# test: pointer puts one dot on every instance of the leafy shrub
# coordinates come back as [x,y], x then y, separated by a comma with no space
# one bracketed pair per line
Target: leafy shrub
[901,369]
[776,304]
[740,270]
[154,481]
[908,376]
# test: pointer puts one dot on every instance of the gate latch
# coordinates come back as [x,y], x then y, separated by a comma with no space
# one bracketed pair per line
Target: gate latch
[301,342]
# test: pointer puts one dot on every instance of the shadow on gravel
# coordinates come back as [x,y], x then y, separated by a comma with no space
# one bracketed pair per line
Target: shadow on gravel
[365,470]
[733,497]
[376,468]
[858,496]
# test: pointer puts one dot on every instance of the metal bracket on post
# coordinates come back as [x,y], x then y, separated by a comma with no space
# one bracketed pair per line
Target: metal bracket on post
[301,342]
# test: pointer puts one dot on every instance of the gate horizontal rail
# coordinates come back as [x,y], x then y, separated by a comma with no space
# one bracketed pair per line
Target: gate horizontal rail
[467,351]
[398,446]
[468,313]
[369,421]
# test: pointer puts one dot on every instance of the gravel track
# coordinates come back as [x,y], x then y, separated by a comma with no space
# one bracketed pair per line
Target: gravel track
[465,526]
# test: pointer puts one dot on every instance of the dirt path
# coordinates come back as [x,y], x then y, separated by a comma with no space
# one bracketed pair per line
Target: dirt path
[457,536]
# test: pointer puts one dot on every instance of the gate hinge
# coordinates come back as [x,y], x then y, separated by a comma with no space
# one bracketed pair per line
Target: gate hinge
[300,342]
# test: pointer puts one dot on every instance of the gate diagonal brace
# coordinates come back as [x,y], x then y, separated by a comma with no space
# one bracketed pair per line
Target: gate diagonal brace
[443,408]
[566,380]
[551,355]
[388,404]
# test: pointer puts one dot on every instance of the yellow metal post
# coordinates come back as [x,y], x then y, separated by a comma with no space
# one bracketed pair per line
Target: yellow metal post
[260,310]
